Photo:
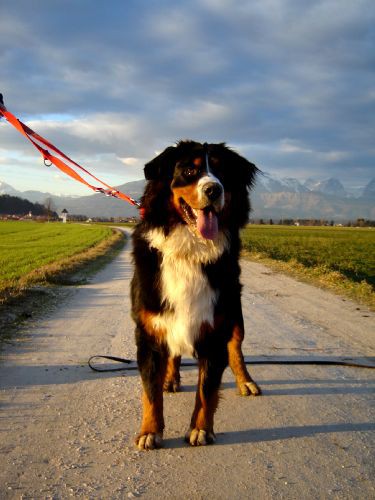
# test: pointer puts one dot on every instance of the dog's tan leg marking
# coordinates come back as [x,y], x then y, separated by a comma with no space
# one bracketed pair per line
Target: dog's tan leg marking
[151,433]
[201,430]
[245,383]
[172,382]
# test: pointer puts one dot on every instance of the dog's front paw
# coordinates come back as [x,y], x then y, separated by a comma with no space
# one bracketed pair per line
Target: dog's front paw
[249,389]
[199,437]
[149,441]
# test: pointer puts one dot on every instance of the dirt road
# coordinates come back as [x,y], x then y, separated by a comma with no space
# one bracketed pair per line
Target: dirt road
[66,431]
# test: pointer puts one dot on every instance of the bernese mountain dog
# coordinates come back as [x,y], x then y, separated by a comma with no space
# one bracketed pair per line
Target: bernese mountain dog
[186,293]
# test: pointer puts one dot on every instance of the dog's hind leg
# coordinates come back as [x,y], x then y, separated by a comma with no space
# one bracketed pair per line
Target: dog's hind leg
[172,382]
[245,384]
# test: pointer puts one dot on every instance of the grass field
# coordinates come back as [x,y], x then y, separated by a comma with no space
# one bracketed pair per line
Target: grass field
[337,257]
[29,251]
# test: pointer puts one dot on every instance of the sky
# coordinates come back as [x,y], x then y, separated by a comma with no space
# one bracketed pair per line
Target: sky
[289,84]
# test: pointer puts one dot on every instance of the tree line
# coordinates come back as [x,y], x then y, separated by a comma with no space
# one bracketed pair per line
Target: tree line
[13,205]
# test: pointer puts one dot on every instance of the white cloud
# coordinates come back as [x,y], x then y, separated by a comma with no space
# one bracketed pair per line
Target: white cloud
[200,114]
[130,161]
[334,156]
[290,146]
[289,80]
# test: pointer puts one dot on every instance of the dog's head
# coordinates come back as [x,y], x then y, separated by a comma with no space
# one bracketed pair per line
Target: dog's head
[202,185]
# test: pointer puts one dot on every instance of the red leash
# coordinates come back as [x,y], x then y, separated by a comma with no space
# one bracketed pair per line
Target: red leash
[36,139]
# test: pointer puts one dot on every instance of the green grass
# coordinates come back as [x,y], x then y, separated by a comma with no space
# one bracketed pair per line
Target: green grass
[342,258]
[29,251]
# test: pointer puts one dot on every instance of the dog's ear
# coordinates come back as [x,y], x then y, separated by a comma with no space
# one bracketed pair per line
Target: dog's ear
[162,166]
[245,170]
[240,168]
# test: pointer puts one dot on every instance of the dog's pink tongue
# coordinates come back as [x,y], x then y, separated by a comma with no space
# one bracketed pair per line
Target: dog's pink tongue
[207,224]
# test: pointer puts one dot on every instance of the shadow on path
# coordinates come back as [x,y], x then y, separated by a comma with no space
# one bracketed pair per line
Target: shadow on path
[277,434]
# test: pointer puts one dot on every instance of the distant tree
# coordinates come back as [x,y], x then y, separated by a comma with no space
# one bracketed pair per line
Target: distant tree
[50,208]
[13,205]
[360,222]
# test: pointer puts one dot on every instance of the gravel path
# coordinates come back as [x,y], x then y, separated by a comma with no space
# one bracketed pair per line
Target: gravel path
[67,431]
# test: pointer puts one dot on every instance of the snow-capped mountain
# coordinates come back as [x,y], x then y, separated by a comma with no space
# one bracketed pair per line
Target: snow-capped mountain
[369,190]
[272,197]
[267,183]
[329,186]
[7,189]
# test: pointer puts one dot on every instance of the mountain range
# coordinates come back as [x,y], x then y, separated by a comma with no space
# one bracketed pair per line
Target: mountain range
[272,198]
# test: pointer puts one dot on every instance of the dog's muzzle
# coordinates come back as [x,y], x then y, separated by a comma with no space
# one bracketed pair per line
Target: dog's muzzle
[211,193]
[213,190]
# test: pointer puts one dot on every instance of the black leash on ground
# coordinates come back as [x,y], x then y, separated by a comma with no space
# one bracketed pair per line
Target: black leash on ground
[368,362]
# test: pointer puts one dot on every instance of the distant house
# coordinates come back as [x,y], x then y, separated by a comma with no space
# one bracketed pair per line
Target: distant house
[64,215]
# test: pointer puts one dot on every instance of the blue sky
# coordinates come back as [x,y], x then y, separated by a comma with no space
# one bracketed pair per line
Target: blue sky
[290,84]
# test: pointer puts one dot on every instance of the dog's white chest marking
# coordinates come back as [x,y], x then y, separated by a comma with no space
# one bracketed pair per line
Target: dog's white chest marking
[185,288]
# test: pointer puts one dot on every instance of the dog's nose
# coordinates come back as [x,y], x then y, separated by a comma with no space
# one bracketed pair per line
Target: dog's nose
[213,191]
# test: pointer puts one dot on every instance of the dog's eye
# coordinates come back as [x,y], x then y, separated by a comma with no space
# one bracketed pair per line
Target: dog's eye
[190,172]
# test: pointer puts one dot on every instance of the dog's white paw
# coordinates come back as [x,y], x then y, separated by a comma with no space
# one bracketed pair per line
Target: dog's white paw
[149,441]
[199,437]
[249,389]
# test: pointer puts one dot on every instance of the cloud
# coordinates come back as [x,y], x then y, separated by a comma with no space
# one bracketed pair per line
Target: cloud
[289,83]
[290,146]
[335,156]
[200,119]
[131,161]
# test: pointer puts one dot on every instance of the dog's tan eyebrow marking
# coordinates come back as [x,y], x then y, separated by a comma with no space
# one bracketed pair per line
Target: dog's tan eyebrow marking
[197,162]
